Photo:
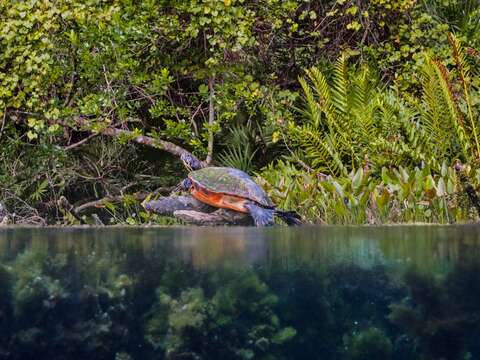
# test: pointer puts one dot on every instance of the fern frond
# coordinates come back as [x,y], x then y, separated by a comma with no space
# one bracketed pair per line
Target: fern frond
[322,150]
[320,86]
[340,86]
[458,55]
[313,110]
[452,107]
[463,70]
[322,90]
[433,115]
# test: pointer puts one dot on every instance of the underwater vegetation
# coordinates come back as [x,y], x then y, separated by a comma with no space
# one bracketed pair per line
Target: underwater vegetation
[441,317]
[123,303]
[237,321]
[369,344]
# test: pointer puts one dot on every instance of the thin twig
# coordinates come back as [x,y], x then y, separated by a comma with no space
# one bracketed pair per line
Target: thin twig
[80,143]
[3,121]
[145,94]
[73,80]
[194,124]
[33,218]
[116,199]
[211,119]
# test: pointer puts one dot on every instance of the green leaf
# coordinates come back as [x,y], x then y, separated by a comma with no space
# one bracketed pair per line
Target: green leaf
[441,188]
[357,179]
[385,177]
[338,188]
[429,183]
[31,135]
[284,335]
[203,89]
[444,169]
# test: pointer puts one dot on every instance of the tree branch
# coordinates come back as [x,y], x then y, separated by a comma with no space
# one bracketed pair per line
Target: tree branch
[83,123]
[116,199]
[81,142]
[3,121]
[143,139]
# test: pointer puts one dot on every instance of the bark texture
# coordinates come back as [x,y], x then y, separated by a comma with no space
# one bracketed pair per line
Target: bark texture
[192,211]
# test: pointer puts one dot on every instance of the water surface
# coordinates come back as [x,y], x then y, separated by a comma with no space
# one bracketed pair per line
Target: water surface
[406,292]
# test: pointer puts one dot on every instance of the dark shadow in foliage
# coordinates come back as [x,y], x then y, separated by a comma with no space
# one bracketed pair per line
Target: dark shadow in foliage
[6,310]
[304,304]
[362,297]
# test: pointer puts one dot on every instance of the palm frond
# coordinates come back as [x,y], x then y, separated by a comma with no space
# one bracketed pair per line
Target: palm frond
[239,152]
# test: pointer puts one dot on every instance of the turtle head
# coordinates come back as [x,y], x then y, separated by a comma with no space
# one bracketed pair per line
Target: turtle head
[190,161]
[184,185]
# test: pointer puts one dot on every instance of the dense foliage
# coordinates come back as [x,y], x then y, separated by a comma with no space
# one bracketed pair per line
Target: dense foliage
[309,95]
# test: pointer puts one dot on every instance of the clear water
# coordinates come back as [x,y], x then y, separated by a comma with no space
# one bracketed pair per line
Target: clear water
[240,293]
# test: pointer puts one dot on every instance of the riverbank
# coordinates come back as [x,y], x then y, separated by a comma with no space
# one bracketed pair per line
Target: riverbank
[347,112]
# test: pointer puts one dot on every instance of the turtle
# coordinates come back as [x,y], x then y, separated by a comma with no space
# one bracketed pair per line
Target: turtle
[230,188]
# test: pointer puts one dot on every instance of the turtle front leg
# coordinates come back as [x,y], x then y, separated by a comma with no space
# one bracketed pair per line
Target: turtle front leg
[218,217]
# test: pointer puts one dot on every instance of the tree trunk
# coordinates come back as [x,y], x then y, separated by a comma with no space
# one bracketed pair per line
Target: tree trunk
[211,119]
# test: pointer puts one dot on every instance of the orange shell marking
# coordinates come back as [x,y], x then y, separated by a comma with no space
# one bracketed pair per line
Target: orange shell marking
[220,200]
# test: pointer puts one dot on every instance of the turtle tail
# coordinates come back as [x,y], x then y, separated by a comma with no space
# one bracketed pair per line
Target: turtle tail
[292,218]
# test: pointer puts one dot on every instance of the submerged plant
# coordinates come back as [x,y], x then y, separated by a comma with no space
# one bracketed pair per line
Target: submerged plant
[118,298]
[236,322]
[369,344]
[439,315]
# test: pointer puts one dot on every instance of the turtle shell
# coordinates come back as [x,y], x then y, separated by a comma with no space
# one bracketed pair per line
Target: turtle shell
[230,181]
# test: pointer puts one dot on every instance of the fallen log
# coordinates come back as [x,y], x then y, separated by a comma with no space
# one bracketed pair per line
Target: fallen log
[218,217]
[192,211]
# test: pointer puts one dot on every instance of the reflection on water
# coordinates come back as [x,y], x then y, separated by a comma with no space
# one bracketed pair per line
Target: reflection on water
[428,247]
[240,293]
